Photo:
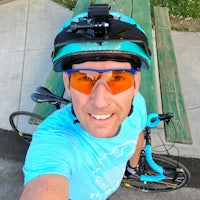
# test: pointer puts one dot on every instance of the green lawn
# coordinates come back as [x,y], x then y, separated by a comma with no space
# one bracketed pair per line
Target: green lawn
[184,14]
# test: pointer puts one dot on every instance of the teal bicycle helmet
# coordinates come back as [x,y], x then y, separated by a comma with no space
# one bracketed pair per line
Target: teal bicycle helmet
[100,35]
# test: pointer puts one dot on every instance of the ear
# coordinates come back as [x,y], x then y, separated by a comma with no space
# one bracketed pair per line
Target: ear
[136,82]
[66,84]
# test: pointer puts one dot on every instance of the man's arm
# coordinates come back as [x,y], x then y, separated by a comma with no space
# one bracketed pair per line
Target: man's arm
[46,187]
[135,159]
[133,162]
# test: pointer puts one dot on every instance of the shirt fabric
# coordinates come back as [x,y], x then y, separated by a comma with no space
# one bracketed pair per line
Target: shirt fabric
[93,166]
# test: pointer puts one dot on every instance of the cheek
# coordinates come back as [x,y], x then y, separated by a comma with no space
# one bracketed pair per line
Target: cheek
[79,100]
[127,95]
[124,99]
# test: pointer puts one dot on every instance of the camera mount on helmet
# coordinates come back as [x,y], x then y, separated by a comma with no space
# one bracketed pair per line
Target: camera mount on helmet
[97,23]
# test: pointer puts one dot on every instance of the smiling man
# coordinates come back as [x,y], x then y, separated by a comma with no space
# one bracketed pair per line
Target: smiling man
[83,150]
[99,111]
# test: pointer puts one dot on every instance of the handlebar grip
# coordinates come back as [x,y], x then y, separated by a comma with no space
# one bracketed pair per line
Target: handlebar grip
[166,116]
[152,120]
[149,158]
[156,178]
[157,168]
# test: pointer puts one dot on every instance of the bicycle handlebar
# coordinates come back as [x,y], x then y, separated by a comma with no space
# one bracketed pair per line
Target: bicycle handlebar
[157,168]
[153,120]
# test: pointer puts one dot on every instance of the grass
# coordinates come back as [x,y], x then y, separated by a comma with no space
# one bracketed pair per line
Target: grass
[184,14]
[183,8]
[67,3]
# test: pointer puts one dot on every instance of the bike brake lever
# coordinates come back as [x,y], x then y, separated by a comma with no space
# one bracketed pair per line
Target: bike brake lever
[166,117]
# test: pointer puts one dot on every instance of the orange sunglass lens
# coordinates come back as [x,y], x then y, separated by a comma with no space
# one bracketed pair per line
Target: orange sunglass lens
[126,80]
[118,81]
[79,82]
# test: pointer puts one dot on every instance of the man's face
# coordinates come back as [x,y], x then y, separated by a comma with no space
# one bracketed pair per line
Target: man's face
[101,113]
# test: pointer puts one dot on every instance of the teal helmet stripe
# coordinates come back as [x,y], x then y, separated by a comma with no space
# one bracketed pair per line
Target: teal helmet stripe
[113,47]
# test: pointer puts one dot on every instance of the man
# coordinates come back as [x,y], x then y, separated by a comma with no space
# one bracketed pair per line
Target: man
[81,151]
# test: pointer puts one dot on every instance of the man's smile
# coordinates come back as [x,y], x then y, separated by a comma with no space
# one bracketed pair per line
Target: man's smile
[101,117]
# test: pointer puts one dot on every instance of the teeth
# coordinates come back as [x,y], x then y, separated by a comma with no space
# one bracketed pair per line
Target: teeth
[101,116]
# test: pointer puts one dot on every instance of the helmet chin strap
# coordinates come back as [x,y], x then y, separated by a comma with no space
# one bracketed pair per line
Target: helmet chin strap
[76,120]
[131,110]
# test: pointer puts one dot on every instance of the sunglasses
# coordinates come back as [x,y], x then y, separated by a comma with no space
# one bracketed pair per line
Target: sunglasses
[118,80]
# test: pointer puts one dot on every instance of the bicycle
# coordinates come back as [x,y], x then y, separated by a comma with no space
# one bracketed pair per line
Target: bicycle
[156,173]
[23,121]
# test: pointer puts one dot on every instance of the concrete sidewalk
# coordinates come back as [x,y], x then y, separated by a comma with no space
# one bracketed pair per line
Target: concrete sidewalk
[28,28]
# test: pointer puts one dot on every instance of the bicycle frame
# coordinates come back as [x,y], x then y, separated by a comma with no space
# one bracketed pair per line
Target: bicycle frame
[153,120]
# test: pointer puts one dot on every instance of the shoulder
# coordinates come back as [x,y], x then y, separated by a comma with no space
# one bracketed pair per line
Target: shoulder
[55,131]
[62,118]
[138,118]
[139,105]
[139,101]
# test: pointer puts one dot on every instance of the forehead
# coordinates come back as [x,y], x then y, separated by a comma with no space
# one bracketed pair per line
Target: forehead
[102,65]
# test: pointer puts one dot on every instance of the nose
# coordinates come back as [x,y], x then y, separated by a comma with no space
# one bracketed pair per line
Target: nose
[101,94]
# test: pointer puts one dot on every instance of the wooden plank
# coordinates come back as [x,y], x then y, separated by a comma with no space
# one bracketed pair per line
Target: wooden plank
[54,81]
[142,15]
[81,6]
[172,98]
[123,6]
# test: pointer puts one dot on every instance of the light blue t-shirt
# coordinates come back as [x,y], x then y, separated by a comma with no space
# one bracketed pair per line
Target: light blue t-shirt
[93,166]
